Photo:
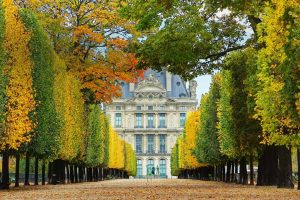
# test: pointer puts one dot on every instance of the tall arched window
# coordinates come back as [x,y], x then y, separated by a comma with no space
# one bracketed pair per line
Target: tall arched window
[162,167]
[150,165]
[139,167]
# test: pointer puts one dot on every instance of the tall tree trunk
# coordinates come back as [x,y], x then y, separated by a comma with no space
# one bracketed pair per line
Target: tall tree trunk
[244,175]
[50,171]
[71,173]
[236,164]
[76,173]
[80,175]
[298,163]
[58,171]
[17,175]
[251,170]
[36,171]
[68,172]
[268,167]
[223,173]
[27,164]
[5,171]
[232,172]
[43,172]
[228,171]
[285,179]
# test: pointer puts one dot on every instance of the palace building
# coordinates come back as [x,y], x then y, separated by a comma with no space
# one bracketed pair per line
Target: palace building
[150,115]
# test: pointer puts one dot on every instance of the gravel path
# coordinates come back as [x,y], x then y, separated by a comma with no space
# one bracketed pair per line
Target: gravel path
[151,189]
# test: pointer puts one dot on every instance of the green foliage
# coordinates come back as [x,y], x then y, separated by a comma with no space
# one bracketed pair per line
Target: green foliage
[95,142]
[174,160]
[278,74]
[45,142]
[191,38]
[106,140]
[207,148]
[227,134]
[130,160]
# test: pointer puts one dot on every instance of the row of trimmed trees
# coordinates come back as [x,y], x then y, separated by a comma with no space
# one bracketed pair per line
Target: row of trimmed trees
[248,116]
[43,113]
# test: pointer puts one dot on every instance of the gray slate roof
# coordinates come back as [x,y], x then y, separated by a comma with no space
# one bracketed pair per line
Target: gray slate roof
[178,85]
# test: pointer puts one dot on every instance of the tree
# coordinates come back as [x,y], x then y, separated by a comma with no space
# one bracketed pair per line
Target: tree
[279,79]
[207,148]
[94,40]
[191,128]
[19,92]
[239,132]
[44,143]
[188,37]
[95,145]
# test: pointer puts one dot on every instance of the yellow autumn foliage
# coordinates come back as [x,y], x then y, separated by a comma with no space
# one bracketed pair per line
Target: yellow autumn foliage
[116,150]
[70,106]
[191,129]
[20,98]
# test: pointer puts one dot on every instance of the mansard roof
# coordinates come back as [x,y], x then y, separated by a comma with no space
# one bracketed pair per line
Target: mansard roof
[156,82]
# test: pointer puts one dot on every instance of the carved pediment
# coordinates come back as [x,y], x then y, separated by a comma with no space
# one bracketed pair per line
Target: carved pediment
[150,86]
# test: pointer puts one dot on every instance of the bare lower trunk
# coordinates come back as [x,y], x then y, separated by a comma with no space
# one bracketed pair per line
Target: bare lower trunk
[43,172]
[5,171]
[27,163]
[17,175]
[251,170]
[285,179]
[268,167]
[36,171]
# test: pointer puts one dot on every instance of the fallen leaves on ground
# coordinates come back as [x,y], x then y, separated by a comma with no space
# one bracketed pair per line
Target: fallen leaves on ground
[148,189]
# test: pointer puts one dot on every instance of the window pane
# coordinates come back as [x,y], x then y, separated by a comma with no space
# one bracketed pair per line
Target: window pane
[162,120]
[150,165]
[118,120]
[150,119]
[162,167]
[150,107]
[150,146]
[118,107]
[139,167]
[182,119]
[162,143]
[138,143]
[139,108]
[138,120]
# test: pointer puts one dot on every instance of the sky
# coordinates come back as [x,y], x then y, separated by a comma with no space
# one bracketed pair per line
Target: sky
[203,85]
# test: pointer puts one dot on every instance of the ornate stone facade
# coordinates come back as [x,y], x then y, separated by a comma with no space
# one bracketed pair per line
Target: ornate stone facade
[150,115]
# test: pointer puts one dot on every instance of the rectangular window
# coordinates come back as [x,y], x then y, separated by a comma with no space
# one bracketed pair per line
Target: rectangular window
[161,107]
[118,120]
[138,143]
[139,168]
[118,107]
[150,119]
[162,167]
[182,108]
[139,108]
[150,107]
[182,120]
[162,143]
[138,120]
[162,120]
[150,146]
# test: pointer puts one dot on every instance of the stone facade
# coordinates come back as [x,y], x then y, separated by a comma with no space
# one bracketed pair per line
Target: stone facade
[150,115]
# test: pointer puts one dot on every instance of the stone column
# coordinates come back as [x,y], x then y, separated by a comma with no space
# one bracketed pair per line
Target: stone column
[168,167]
[144,166]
